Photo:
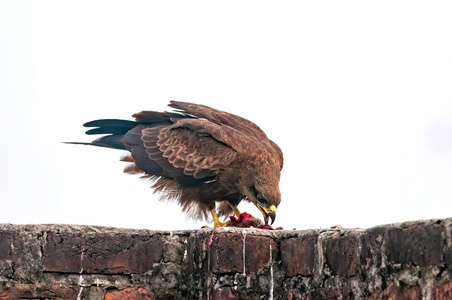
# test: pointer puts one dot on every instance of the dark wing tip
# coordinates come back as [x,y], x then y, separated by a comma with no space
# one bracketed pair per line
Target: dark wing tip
[109,141]
[110,123]
[108,130]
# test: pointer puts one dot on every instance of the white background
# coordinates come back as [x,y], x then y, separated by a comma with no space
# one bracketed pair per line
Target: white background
[357,94]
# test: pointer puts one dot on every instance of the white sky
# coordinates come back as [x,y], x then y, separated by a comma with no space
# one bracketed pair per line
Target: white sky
[358,94]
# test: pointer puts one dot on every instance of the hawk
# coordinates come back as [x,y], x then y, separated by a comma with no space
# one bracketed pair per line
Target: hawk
[198,156]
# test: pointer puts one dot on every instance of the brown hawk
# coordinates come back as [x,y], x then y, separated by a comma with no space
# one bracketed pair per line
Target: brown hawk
[198,156]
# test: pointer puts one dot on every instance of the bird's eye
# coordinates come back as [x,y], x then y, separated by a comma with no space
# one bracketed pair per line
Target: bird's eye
[260,198]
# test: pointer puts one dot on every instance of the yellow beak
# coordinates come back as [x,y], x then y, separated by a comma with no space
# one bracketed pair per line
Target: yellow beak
[268,213]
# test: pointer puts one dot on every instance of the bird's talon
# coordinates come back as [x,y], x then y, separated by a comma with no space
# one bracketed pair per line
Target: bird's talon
[221,224]
[216,221]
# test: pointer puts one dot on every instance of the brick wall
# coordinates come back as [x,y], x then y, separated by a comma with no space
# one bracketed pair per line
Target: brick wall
[411,260]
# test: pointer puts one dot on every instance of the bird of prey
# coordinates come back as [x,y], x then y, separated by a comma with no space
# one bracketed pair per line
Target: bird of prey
[198,156]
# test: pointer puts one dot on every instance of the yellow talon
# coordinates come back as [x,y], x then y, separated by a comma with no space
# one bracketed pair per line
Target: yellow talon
[216,221]
[234,209]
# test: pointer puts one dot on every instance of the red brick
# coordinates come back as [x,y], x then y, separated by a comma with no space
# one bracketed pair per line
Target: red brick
[101,253]
[404,292]
[293,294]
[129,294]
[39,291]
[227,293]
[370,253]
[9,245]
[226,255]
[62,252]
[223,293]
[257,253]
[330,294]
[298,255]
[121,254]
[342,255]
[197,249]
[443,291]
[418,244]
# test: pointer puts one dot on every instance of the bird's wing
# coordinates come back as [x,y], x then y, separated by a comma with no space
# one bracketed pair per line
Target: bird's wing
[156,117]
[195,146]
[239,133]
[220,117]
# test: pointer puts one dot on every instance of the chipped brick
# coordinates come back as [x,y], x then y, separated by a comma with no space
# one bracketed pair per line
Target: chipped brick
[342,255]
[39,291]
[371,241]
[418,244]
[129,294]
[404,292]
[227,253]
[298,255]
[9,245]
[102,253]
[330,294]
[223,293]
[443,291]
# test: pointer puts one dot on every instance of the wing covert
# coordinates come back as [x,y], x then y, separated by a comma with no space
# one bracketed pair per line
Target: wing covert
[192,150]
[220,117]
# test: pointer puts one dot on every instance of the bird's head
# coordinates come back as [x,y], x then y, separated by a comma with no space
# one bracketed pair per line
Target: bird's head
[263,185]
[266,201]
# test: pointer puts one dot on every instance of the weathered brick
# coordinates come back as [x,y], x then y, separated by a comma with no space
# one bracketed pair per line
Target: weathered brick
[173,250]
[9,245]
[404,292]
[371,241]
[330,294]
[227,293]
[119,254]
[62,252]
[443,291]
[101,253]
[197,249]
[129,294]
[373,296]
[39,291]
[417,244]
[257,253]
[342,254]
[294,294]
[448,245]
[298,255]
[223,293]
[226,255]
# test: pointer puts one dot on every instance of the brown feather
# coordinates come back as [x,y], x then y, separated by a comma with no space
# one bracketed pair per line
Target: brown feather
[127,158]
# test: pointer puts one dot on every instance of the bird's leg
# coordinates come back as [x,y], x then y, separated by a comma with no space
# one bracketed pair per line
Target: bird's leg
[234,209]
[216,221]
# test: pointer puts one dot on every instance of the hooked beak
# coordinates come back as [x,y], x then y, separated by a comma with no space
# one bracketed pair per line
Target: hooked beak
[268,213]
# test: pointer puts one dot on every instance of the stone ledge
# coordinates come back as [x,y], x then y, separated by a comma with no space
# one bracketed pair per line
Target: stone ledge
[411,260]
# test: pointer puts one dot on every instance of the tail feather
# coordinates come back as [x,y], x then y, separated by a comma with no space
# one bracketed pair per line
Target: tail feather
[110,141]
[111,123]
[113,129]
[108,130]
